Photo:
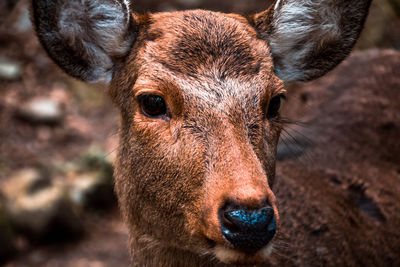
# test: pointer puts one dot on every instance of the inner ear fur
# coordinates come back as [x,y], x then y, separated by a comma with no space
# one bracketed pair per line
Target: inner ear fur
[85,37]
[308,38]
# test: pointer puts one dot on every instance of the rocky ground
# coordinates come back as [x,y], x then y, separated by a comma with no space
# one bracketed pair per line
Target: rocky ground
[55,132]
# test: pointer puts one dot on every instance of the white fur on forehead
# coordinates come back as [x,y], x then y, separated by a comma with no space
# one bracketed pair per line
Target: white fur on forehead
[309,22]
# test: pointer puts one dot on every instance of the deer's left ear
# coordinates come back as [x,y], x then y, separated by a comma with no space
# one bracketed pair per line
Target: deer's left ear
[85,37]
[310,37]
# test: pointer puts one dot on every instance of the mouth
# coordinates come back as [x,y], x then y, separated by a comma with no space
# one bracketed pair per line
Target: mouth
[235,257]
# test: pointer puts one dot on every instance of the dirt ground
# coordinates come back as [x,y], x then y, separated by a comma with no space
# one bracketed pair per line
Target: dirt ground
[92,120]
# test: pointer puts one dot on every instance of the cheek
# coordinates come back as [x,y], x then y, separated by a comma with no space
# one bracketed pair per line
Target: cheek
[164,182]
[167,170]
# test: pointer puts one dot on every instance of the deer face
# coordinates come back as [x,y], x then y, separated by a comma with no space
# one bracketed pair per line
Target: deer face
[199,94]
[200,130]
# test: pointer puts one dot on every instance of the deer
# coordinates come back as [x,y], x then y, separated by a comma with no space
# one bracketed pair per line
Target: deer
[199,95]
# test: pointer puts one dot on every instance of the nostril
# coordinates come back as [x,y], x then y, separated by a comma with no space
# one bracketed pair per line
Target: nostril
[250,219]
[248,230]
[229,223]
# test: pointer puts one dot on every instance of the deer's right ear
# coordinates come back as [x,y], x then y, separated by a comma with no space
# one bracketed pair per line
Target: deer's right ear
[308,38]
[85,37]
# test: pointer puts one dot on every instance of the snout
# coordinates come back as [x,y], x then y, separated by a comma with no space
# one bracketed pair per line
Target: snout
[247,229]
[242,225]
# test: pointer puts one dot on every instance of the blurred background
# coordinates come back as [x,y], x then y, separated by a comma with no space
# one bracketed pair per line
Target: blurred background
[58,138]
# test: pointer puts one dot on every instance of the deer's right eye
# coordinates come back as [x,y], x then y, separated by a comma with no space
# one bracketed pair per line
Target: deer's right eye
[153,105]
[274,106]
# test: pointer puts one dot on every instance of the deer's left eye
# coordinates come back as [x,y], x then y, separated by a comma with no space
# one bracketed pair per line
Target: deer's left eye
[274,106]
[153,105]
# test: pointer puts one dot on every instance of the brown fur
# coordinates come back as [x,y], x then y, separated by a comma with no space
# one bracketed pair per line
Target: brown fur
[197,179]
[216,74]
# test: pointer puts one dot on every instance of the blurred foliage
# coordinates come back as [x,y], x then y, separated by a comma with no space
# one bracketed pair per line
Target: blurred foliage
[234,6]
[5,7]
[382,28]
[396,6]
[89,96]
[3,168]
[96,160]
[7,247]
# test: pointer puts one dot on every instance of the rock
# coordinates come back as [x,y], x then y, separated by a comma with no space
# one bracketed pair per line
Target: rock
[92,192]
[92,185]
[41,111]
[7,247]
[39,208]
[25,181]
[10,70]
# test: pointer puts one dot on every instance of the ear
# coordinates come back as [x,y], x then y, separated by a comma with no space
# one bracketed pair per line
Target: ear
[85,37]
[308,38]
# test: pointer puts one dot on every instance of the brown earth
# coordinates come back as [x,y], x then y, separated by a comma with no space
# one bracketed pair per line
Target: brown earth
[346,148]
[338,184]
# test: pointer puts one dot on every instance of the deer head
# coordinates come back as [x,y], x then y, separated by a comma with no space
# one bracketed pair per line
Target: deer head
[199,94]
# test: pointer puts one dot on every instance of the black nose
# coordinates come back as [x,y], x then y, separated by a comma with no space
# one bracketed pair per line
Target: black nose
[248,230]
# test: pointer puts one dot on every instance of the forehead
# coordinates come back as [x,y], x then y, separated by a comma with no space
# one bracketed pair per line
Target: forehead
[205,53]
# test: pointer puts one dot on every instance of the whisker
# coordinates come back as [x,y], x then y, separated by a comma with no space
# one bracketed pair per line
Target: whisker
[287,257]
[299,146]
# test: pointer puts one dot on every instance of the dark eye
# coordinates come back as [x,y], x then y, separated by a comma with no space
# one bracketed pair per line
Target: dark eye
[153,105]
[274,106]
